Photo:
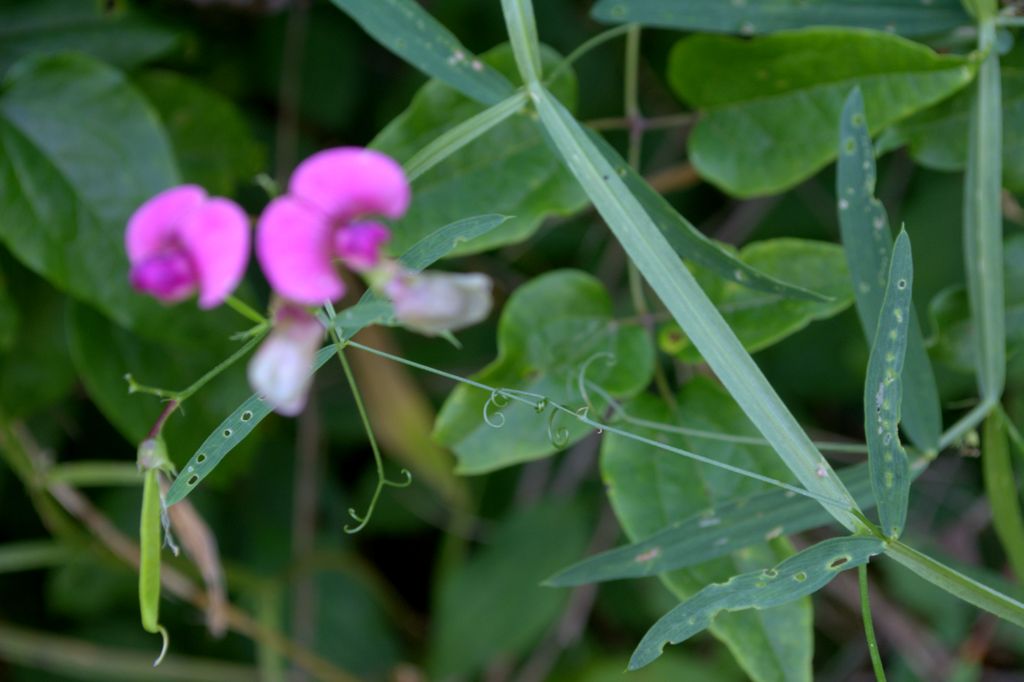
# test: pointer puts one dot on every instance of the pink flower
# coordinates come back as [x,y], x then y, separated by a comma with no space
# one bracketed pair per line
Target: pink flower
[324,218]
[182,241]
[436,302]
[281,370]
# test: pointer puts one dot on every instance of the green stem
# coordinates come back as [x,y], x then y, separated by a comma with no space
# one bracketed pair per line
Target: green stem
[245,310]
[378,460]
[461,135]
[584,48]
[958,584]
[869,627]
[966,423]
[230,360]
[1001,490]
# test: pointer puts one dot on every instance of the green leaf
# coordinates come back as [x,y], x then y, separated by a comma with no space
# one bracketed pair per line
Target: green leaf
[690,243]
[49,26]
[521,27]
[867,241]
[983,222]
[370,309]
[68,186]
[937,137]
[691,308]
[650,489]
[958,584]
[883,393]
[476,178]
[766,16]
[769,105]
[32,555]
[406,29]
[8,316]
[761,319]
[211,139]
[493,606]
[550,330]
[36,369]
[1001,490]
[714,531]
[798,576]
[953,340]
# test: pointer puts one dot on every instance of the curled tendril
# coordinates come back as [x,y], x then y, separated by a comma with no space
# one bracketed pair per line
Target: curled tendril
[492,415]
[362,520]
[581,378]
[559,437]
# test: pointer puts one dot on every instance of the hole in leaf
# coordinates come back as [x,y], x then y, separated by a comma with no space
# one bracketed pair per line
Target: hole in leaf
[227,433]
[800,577]
[837,562]
[246,416]
[193,479]
[200,458]
[901,284]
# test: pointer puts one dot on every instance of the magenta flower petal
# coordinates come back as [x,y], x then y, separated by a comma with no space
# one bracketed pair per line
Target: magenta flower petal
[167,276]
[216,237]
[347,182]
[155,225]
[359,245]
[293,245]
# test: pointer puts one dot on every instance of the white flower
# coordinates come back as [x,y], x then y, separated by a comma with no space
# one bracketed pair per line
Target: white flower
[281,369]
[436,302]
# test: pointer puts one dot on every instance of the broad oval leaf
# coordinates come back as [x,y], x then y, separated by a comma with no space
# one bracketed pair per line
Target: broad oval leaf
[60,214]
[798,576]
[651,489]
[551,329]
[476,178]
[408,30]
[370,310]
[766,16]
[867,243]
[211,139]
[762,319]
[770,104]
[883,393]
[48,26]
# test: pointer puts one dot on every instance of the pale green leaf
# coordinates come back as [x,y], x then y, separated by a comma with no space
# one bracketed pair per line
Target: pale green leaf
[867,242]
[550,329]
[475,179]
[408,30]
[765,16]
[1001,490]
[883,393]
[760,319]
[651,489]
[798,576]
[770,104]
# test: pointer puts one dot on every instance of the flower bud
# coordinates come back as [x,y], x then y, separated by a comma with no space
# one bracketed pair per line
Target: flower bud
[281,369]
[436,302]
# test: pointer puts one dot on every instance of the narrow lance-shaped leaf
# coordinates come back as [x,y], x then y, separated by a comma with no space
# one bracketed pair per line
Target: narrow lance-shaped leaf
[883,394]
[691,308]
[409,31]
[765,16]
[689,242]
[867,243]
[800,575]
[719,531]
[1001,490]
[370,310]
[983,221]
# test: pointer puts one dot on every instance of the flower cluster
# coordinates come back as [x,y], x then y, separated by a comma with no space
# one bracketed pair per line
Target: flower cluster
[183,242]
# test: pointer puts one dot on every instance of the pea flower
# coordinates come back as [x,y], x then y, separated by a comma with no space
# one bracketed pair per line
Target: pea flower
[326,216]
[182,241]
[436,302]
[281,369]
